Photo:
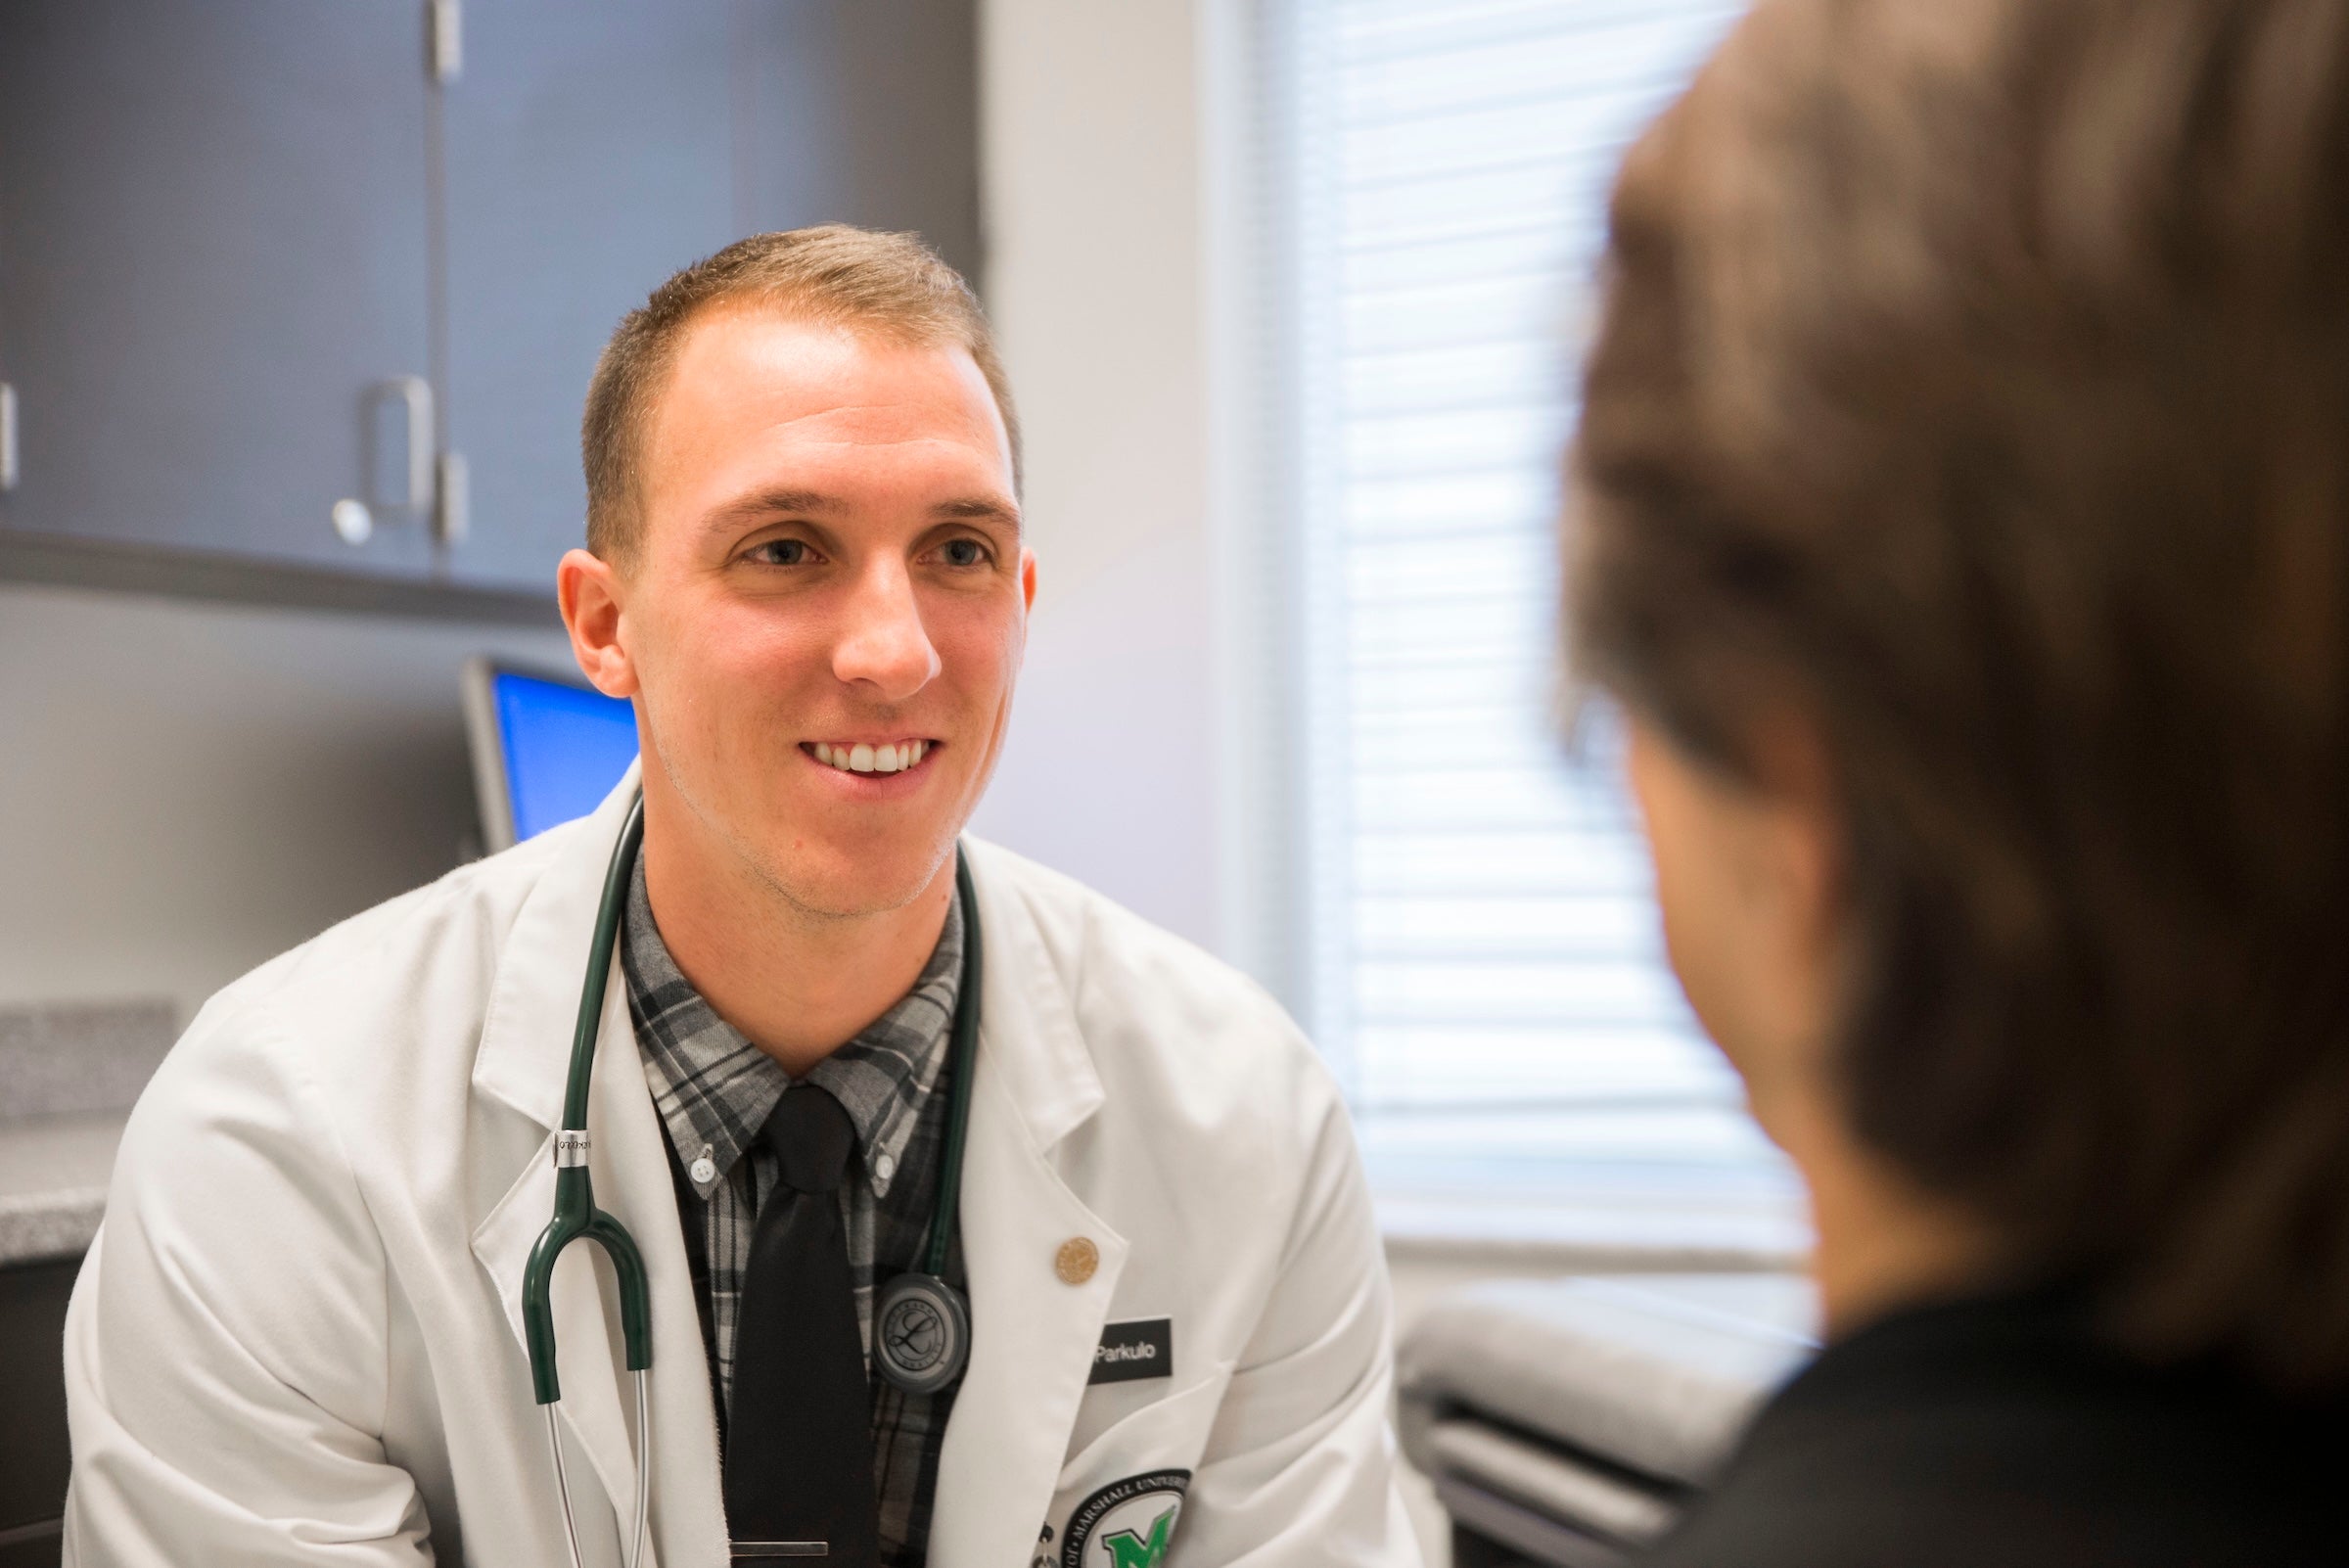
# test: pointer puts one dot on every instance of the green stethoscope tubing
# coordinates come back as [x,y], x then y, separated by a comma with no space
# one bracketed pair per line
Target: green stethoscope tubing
[963,1051]
[576,1213]
[576,1217]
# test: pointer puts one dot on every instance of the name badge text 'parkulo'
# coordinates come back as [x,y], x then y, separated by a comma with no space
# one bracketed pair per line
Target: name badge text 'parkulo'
[1132,1351]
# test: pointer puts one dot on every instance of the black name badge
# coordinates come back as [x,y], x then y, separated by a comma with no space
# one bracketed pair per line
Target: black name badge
[1143,1347]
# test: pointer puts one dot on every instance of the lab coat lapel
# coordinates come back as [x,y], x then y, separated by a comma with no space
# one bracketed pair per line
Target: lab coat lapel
[523,1057]
[1032,1329]
[524,1050]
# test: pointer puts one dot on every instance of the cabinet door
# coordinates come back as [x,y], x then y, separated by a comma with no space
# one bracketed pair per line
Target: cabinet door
[862,112]
[213,246]
[590,154]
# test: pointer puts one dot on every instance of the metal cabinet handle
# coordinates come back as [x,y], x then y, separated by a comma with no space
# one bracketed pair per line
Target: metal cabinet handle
[448,40]
[417,393]
[453,514]
[7,437]
[354,520]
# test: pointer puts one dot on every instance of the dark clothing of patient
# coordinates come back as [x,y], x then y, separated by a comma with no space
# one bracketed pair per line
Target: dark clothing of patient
[1996,1433]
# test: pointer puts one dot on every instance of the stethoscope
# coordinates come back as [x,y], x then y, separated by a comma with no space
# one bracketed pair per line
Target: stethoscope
[921,1324]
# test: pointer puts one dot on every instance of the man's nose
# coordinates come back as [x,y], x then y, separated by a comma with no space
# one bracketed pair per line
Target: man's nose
[883,644]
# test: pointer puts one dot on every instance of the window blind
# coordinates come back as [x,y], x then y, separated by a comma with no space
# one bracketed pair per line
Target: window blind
[1486,966]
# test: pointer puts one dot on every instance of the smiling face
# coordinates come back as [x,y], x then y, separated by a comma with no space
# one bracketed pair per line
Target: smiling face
[825,610]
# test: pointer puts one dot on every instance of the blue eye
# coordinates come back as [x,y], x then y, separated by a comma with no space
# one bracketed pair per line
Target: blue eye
[782,552]
[965,552]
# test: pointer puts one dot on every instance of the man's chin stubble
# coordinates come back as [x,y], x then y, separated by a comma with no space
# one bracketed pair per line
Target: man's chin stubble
[816,910]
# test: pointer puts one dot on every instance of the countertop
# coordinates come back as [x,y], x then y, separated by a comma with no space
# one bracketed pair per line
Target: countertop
[53,1176]
[68,1076]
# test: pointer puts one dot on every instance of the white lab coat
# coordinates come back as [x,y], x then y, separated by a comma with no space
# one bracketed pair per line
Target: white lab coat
[298,1338]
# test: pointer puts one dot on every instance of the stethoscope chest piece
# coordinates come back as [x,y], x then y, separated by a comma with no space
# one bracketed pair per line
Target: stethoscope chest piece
[921,1332]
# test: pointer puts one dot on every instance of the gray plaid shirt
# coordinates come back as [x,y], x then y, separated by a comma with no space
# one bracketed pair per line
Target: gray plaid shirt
[713,1091]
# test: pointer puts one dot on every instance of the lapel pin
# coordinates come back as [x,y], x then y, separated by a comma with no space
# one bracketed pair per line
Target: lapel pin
[1077,1259]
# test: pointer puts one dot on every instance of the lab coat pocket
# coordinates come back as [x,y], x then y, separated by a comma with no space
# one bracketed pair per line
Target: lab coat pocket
[1121,1498]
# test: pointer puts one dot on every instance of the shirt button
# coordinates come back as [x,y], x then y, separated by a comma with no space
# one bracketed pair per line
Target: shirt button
[1077,1259]
[703,1170]
[885,1168]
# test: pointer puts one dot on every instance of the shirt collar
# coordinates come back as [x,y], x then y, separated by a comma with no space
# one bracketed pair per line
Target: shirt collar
[714,1089]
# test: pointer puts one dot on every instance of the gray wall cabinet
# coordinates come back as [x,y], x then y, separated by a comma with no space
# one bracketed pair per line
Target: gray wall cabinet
[211,246]
[586,164]
[259,257]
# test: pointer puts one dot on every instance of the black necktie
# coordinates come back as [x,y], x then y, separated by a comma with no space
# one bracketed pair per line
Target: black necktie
[799,1444]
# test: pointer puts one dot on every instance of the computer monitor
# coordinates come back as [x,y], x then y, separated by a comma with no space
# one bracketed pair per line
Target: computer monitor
[545,749]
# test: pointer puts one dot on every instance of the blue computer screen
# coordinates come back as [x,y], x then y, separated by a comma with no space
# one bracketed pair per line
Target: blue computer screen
[566,747]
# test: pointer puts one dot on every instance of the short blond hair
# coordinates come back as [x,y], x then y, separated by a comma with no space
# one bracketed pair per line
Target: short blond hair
[891,286]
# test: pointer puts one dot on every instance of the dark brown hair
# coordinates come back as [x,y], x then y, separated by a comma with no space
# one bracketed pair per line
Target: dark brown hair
[891,286]
[1974,382]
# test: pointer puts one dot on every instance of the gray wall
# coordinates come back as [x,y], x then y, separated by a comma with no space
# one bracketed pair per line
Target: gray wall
[187,789]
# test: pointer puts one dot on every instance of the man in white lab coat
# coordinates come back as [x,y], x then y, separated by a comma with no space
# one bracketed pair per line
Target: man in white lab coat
[299,1338]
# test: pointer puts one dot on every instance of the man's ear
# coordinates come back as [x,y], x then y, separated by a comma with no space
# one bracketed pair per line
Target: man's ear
[1806,850]
[1027,576]
[1749,881]
[592,596]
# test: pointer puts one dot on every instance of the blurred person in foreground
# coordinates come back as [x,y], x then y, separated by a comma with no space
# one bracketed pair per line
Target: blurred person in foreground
[1962,523]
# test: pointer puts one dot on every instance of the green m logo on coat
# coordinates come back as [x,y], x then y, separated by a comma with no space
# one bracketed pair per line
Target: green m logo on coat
[1127,1549]
[1127,1524]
